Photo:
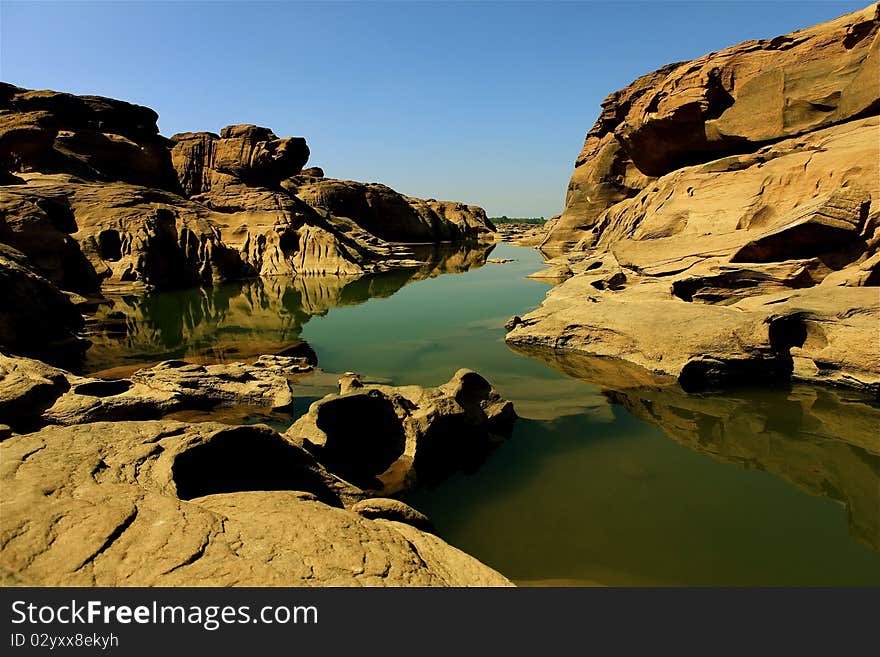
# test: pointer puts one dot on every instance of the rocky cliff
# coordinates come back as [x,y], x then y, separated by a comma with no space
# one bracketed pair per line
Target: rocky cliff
[723,220]
[92,196]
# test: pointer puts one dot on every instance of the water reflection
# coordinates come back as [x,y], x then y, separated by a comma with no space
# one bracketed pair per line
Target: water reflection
[239,320]
[823,440]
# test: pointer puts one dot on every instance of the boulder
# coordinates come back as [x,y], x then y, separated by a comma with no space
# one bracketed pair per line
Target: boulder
[388,439]
[171,504]
[249,154]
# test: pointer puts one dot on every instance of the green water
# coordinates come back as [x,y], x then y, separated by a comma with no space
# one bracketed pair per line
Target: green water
[607,479]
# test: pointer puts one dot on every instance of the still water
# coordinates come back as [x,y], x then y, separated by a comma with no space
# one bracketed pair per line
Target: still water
[609,478]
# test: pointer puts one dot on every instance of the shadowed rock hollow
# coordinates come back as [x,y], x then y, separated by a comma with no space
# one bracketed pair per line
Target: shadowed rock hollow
[388,439]
[144,504]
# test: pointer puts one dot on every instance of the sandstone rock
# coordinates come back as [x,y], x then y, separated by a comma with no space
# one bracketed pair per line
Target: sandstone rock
[386,508]
[263,383]
[41,226]
[33,394]
[387,438]
[248,153]
[731,101]
[705,345]
[90,136]
[730,231]
[164,503]
[92,196]
[521,234]
[35,317]
[389,215]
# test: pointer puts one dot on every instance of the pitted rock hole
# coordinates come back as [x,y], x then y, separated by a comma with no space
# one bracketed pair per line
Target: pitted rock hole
[109,245]
[247,459]
[364,436]
[787,332]
[102,388]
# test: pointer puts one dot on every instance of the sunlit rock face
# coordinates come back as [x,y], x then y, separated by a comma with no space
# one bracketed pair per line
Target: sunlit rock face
[167,503]
[733,101]
[389,215]
[821,439]
[723,221]
[95,198]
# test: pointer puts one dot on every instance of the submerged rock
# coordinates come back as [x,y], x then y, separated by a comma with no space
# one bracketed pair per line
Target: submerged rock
[389,439]
[171,504]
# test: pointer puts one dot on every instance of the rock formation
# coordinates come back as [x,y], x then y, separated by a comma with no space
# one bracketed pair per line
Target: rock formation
[171,504]
[92,198]
[36,318]
[33,393]
[389,215]
[387,438]
[723,220]
[168,503]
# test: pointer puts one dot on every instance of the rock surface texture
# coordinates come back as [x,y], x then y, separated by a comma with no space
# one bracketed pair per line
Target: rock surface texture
[33,394]
[93,195]
[136,501]
[172,504]
[723,220]
[388,439]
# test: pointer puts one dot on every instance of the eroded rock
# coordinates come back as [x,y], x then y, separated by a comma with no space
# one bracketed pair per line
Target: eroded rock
[165,503]
[388,439]
[725,233]
[36,318]
[33,394]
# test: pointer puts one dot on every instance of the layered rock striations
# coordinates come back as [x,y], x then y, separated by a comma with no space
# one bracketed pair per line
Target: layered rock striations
[94,198]
[723,220]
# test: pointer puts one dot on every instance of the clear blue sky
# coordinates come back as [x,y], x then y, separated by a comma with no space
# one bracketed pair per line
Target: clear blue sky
[483,102]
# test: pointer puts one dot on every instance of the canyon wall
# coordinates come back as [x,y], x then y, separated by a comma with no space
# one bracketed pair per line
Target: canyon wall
[723,220]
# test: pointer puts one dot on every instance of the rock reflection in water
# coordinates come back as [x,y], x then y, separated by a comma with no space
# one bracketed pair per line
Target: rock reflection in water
[241,320]
[823,440]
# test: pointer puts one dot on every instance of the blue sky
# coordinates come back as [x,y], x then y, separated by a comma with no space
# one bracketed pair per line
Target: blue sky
[483,102]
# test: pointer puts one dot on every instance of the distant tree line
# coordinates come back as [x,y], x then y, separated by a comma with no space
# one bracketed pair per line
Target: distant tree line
[504,219]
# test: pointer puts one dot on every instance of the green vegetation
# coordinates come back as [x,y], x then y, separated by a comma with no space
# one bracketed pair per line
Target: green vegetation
[504,219]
